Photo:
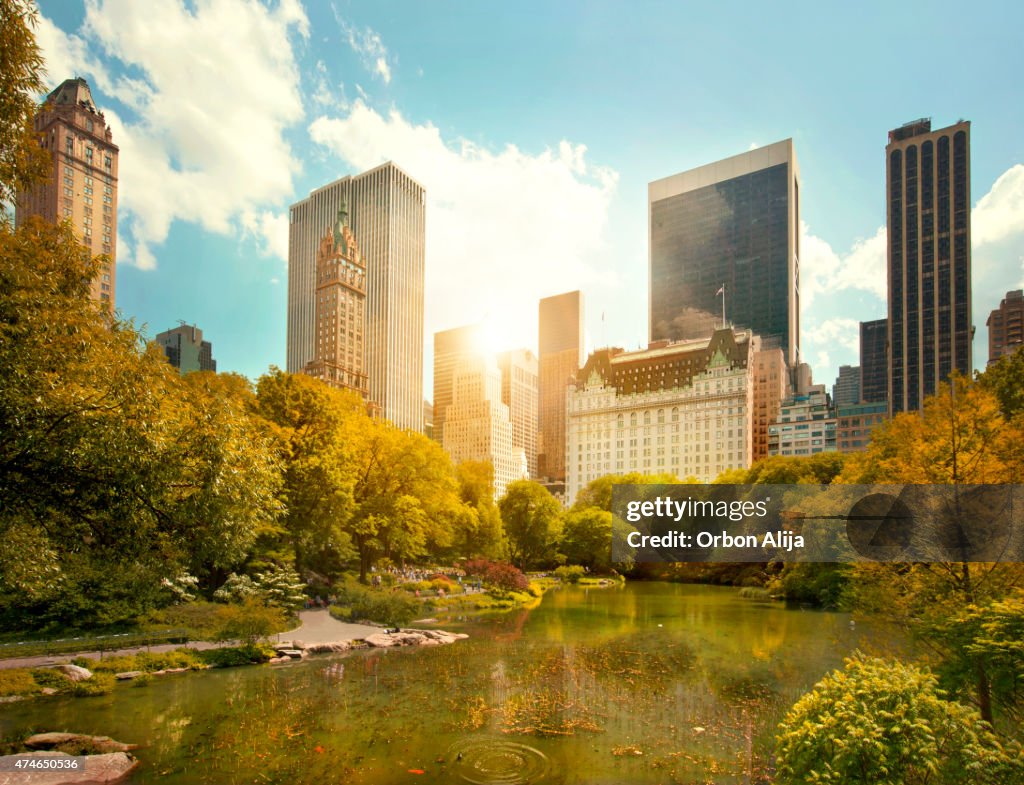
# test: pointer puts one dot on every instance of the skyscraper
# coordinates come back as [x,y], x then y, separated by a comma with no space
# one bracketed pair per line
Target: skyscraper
[186,350]
[386,213]
[477,423]
[874,361]
[340,310]
[519,391]
[561,355]
[734,222]
[1006,326]
[83,178]
[846,390]
[451,347]
[928,209]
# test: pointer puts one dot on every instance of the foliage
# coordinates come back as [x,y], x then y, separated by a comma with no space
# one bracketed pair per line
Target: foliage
[99,684]
[587,538]
[598,493]
[818,469]
[234,656]
[251,622]
[200,619]
[17,681]
[355,603]
[822,584]
[887,723]
[23,162]
[1005,380]
[499,575]
[478,531]
[532,519]
[115,473]
[144,661]
[570,573]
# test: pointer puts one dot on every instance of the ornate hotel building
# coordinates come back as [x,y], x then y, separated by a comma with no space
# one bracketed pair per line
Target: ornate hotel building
[340,310]
[83,178]
[477,424]
[387,217]
[683,408]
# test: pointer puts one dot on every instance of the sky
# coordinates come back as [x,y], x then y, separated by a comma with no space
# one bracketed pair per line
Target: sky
[535,128]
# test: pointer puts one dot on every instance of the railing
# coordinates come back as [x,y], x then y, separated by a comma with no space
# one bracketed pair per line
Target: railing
[88,644]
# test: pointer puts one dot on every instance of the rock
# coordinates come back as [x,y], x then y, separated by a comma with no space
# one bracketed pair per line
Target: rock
[380,640]
[47,741]
[74,672]
[328,648]
[125,675]
[12,698]
[98,770]
[295,654]
[49,691]
[383,640]
[176,670]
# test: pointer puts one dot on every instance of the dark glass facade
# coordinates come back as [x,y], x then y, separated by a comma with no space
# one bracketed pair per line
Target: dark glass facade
[874,361]
[929,261]
[738,232]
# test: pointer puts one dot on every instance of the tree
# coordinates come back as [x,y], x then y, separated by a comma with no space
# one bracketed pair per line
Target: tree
[887,723]
[23,161]
[959,438]
[406,497]
[478,529]
[532,520]
[115,472]
[587,538]
[318,430]
[598,493]
[1005,380]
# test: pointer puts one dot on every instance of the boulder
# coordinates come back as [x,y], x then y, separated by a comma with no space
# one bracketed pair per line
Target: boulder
[125,675]
[74,672]
[104,744]
[381,640]
[103,769]
[328,648]
[295,654]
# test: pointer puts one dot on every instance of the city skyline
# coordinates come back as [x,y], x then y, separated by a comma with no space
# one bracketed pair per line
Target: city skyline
[537,182]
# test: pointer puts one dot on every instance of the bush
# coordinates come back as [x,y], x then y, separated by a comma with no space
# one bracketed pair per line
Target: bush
[51,677]
[755,593]
[570,573]
[887,723]
[17,681]
[99,684]
[233,656]
[199,619]
[250,622]
[499,575]
[393,608]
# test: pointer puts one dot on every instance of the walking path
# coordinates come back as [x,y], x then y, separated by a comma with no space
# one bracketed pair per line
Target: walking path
[316,626]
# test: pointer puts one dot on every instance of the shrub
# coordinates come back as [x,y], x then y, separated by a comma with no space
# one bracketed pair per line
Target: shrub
[755,593]
[99,684]
[279,586]
[50,677]
[887,723]
[570,573]
[393,608]
[200,619]
[233,656]
[250,622]
[17,681]
[499,575]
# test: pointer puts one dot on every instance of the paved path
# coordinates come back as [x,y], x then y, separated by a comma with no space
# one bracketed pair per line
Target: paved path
[316,626]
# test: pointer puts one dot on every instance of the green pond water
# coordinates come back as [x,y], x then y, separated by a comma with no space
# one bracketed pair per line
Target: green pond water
[644,683]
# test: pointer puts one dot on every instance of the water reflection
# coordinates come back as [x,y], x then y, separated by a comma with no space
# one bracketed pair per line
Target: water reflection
[645,683]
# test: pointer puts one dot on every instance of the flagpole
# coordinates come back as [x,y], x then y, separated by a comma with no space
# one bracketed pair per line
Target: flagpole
[723,306]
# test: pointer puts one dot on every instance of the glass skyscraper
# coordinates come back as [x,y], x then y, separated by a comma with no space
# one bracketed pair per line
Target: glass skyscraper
[734,222]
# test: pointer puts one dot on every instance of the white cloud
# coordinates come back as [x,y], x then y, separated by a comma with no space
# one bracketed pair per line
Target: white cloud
[1000,213]
[270,229]
[203,140]
[823,270]
[368,45]
[504,227]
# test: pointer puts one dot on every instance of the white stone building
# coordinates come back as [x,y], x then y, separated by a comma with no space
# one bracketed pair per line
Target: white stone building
[681,408]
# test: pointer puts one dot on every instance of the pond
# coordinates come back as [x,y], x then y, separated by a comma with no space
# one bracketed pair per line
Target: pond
[643,683]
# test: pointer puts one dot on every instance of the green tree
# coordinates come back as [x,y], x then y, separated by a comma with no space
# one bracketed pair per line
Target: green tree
[478,530]
[886,723]
[587,538]
[23,161]
[1005,380]
[598,493]
[533,523]
[318,431]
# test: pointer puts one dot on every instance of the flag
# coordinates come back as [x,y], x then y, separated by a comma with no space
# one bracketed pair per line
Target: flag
[721,290]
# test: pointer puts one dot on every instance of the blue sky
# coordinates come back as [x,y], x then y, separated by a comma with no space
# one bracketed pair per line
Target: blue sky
[535,128]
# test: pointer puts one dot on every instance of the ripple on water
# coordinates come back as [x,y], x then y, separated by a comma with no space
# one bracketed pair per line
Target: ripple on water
[497,762]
